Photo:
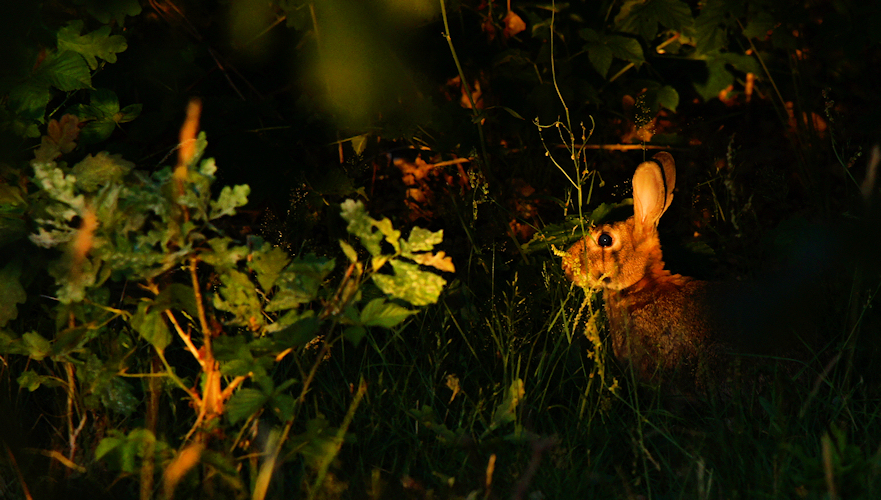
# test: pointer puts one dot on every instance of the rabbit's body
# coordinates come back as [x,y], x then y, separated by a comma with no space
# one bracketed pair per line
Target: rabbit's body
[689,334]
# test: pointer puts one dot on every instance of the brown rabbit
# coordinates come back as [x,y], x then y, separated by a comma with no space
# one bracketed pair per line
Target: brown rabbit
[689,335]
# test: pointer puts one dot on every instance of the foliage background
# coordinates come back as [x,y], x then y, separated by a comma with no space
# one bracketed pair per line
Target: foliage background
[497,389]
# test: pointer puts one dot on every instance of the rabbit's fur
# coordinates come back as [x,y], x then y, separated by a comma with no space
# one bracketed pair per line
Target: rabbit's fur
[689,335]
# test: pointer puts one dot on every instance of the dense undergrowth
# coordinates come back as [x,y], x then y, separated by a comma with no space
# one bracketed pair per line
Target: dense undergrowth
[382,314]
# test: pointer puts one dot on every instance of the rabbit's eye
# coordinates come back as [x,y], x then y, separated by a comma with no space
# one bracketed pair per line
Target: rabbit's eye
[605,240]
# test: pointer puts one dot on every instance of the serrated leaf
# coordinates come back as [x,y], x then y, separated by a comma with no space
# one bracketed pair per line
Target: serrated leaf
[229,200]
[379,312]
[710,26]
[150,324]
[641,17]
[600,58]
[410,283]
[94,172]
[91,46]
[107,11]
[29,99]
[66,71]
[11,291]
[283,406]
[298,334]
[244,403]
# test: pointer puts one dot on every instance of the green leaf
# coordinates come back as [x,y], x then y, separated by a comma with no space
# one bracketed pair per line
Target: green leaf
[150,324]
[31,380]
[379,312]
[668,97]
[107,11]
[601,49]
[300,333]
[641,17]
[268,263]
[229,200]
[718,78]
[94,172]
[29,100]
[11,291]
[354,333]
[36,345]
[760,25]
[710,26]
[244,403]
[319,443]
[506,411]
[283,406]
[91,46]
[116,395]
[350,252]
[421,240]
[600,58]
[370,231]
[411,284]
[66,71]
[238,295]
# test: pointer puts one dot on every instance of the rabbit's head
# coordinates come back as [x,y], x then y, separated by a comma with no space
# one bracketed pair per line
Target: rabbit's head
[618,255]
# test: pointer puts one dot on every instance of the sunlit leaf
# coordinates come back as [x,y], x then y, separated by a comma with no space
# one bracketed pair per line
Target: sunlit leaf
[421,240]
[379,312]
[410,283]
[267,262]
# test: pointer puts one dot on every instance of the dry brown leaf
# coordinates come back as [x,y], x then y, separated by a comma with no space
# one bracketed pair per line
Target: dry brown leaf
[513,24]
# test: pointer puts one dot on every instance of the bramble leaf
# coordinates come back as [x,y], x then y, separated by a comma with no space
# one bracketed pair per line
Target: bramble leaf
[106,11]
[244,403]
[642,17]
[150,324]
[379,312]
[65,70]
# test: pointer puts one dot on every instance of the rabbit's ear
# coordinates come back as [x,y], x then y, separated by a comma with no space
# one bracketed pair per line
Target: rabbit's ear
[653,185]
